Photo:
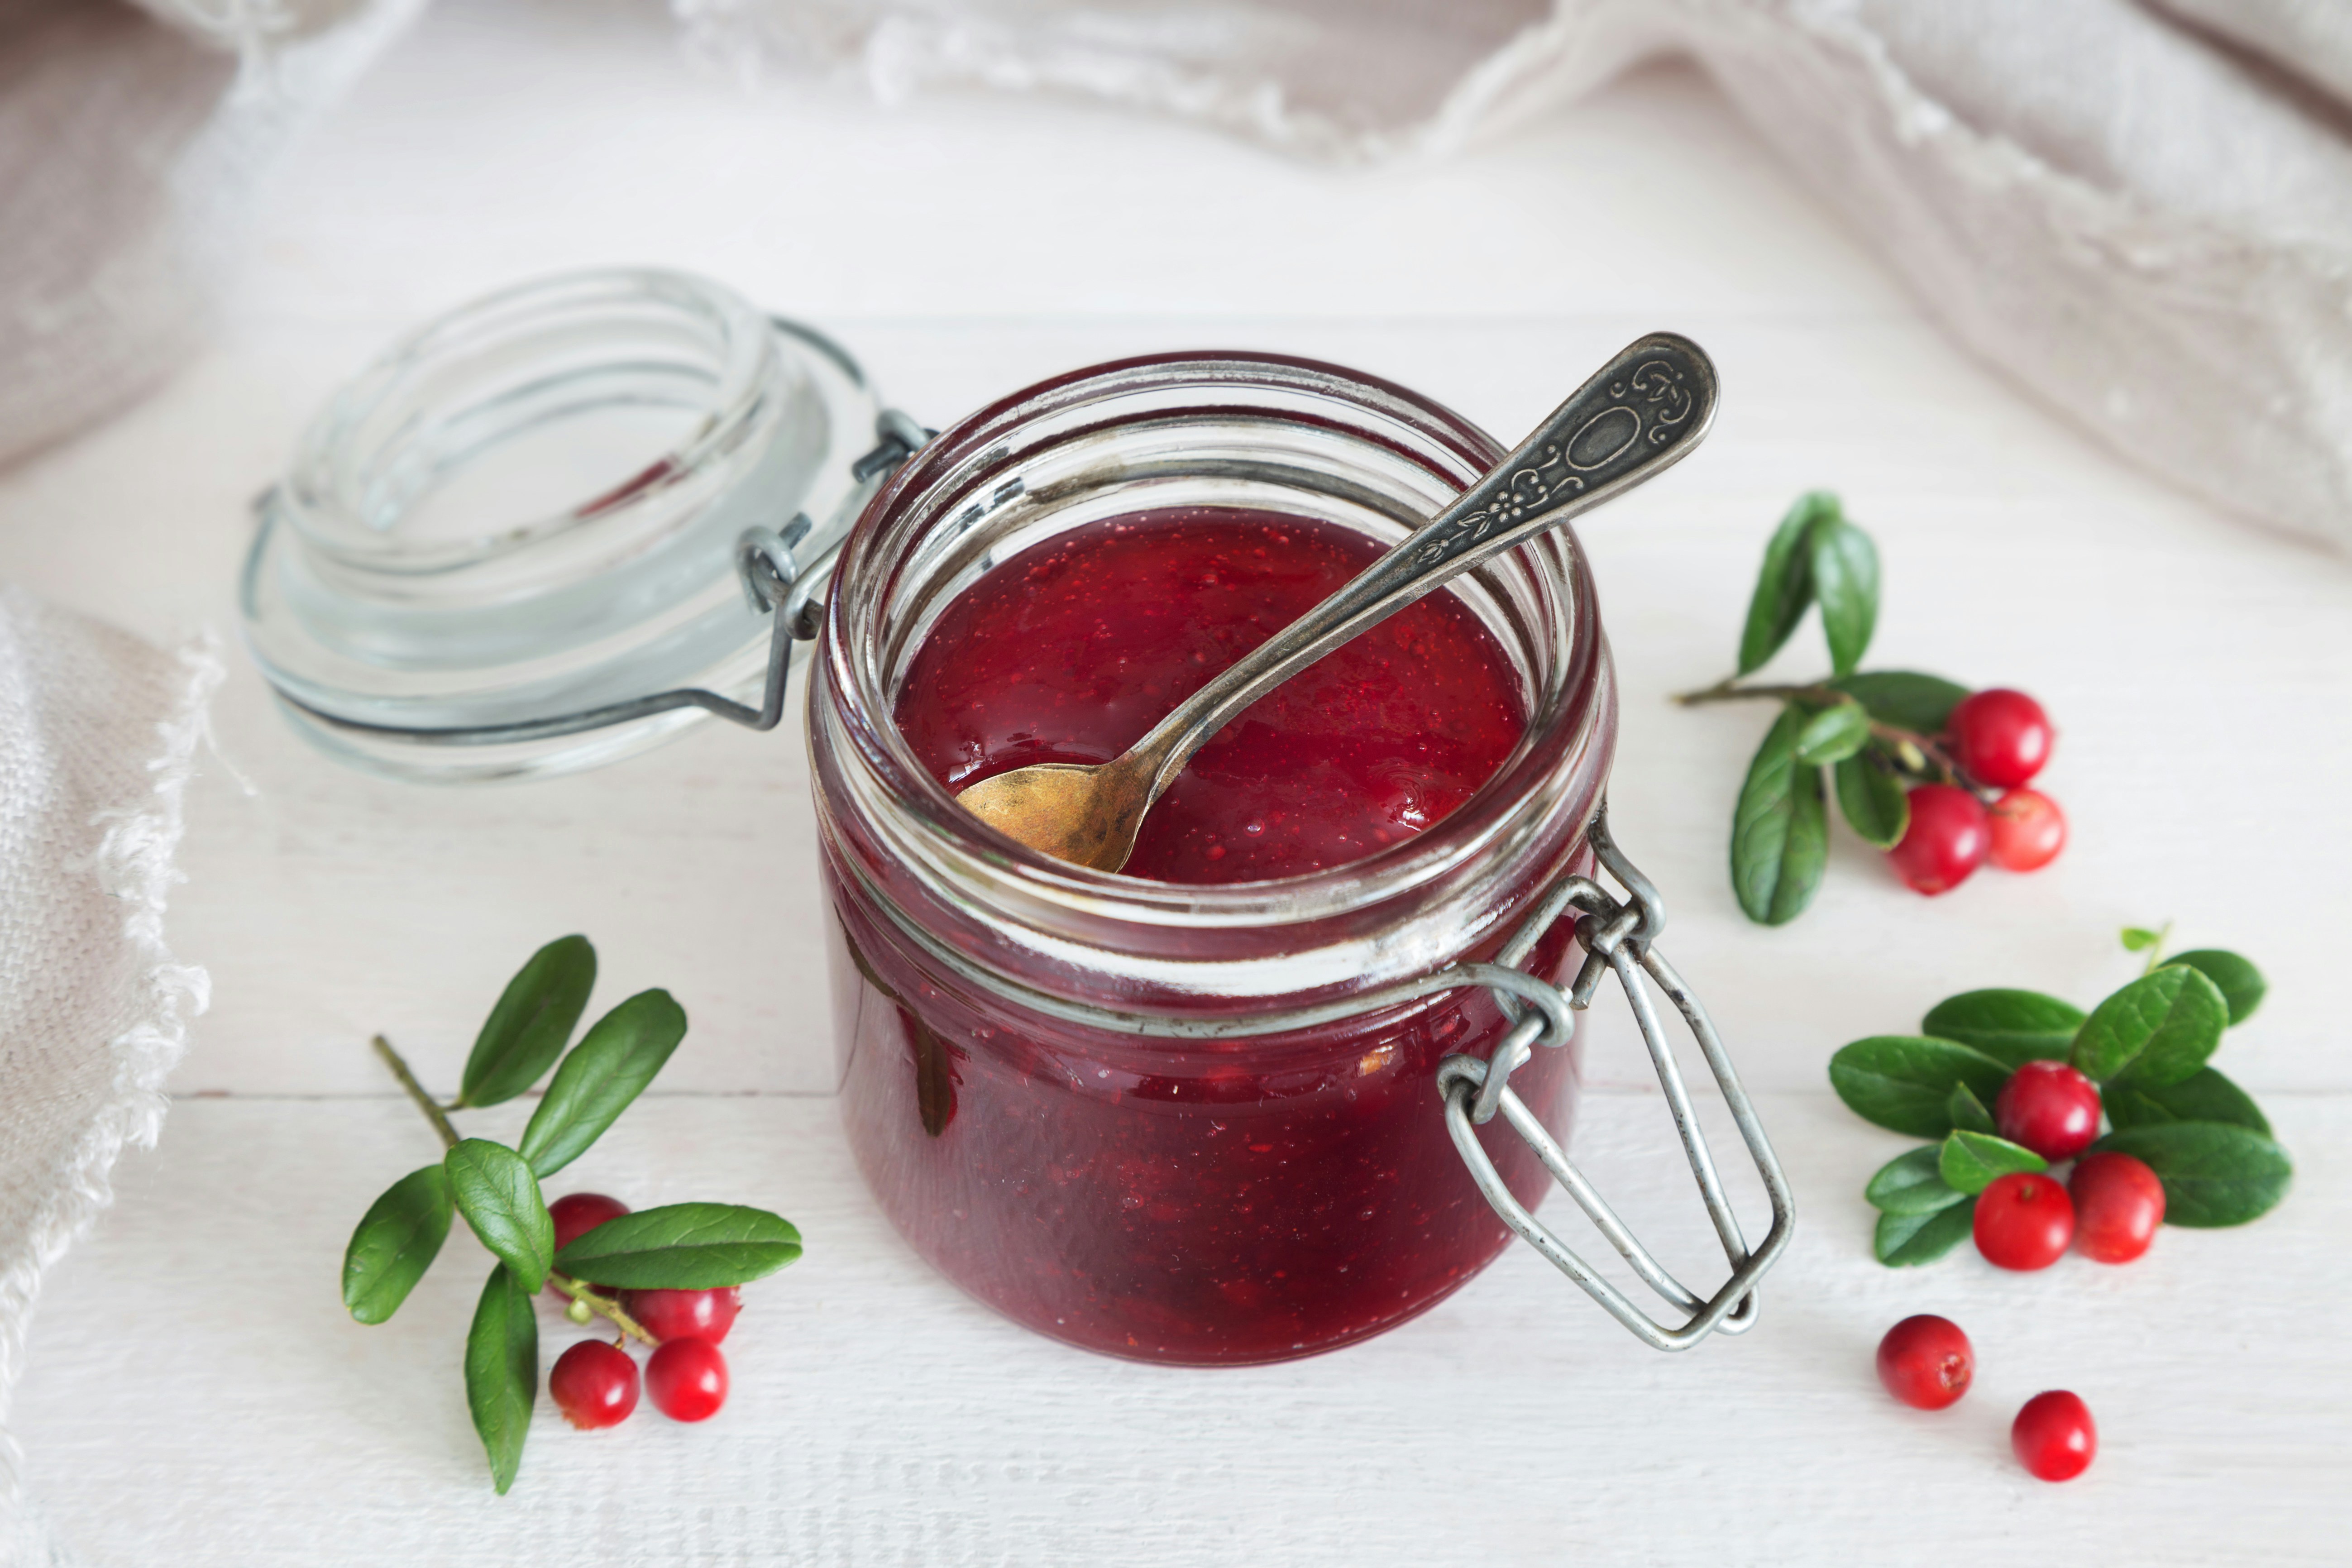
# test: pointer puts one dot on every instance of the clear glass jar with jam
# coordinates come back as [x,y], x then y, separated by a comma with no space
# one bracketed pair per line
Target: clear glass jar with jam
[1234,1107]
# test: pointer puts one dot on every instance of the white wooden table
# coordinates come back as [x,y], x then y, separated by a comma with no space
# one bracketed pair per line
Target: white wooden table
[195,1395]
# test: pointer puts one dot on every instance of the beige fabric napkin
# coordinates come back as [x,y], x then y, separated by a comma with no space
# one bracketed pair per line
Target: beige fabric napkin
[2141,214]
[98,732]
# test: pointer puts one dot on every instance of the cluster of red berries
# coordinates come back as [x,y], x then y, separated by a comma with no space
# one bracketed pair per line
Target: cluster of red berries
[1999,740]
[2110,1207]
[595,1384]
[1926,1362]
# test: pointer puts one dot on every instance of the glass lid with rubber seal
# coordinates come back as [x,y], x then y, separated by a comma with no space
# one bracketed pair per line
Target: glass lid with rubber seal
[560,524]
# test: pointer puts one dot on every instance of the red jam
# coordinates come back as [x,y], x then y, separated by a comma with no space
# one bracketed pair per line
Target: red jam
[1168,1200]
[1073,649]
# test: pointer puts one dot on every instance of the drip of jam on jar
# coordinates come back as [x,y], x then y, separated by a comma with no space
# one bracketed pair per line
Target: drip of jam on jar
[1070,651]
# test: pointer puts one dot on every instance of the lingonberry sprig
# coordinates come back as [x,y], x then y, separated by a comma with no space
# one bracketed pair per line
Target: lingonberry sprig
[1923,768]
[667,1277]
[2011,1083]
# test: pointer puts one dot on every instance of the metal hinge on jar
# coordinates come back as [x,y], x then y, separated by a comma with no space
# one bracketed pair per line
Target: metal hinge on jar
[1617,936]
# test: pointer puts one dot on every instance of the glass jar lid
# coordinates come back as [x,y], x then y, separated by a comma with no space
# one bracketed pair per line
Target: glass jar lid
[559,524]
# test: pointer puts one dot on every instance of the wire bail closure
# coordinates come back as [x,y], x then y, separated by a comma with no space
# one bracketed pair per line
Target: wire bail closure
[1617,937]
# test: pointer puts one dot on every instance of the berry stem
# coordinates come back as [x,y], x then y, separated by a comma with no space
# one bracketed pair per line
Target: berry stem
[1905,743]
[425,1101]
[604,1304]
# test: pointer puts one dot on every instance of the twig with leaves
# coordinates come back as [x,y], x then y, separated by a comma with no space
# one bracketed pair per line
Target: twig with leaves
[681,1247]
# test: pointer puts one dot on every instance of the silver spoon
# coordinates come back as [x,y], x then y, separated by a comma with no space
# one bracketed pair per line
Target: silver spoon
[1642,411]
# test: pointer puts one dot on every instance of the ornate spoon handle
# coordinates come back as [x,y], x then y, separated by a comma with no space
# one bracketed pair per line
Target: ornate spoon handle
[1645,409]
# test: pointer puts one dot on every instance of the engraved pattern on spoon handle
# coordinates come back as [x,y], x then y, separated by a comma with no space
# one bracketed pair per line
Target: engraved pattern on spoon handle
[1639,415]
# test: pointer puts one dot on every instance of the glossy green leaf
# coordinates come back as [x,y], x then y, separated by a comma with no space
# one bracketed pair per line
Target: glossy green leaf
[499,1198]
[1845,583]
[1876,805]
[1974,1161]
[502,1372]
[1904,697]
[1834,734]
[2012,1026]
[607,1071]
[2140,939]
[1904,1082]
[1968,1112]
[527,1030]
[2241,984]
[2204,1096]
[683,1246]
[1907,1240]
[2160,1028]
[1913,1183]
[2214,1174]
[1779,831]
[395,1243]
[1784,588]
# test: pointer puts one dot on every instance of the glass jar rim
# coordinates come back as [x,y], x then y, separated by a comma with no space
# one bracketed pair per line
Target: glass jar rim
[953,835]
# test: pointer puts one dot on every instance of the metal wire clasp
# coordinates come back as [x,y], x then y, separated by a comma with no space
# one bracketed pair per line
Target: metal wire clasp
[1617,936]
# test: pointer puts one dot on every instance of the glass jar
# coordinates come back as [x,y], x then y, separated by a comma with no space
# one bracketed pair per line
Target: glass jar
[1252,1196]
[1181,1123]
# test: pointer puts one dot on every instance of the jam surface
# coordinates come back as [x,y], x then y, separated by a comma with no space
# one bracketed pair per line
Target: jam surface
[1198,1202]
[1073,649]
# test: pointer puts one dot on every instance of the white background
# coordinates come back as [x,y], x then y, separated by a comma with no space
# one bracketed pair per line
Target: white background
[196,1395]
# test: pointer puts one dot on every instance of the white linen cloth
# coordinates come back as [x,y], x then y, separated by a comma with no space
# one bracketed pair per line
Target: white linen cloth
[97,732]
[2143,216]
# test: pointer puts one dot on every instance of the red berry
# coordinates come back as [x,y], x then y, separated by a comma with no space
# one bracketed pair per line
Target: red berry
[684,1314]
[2050,1107]
[595,1385]
[2027,830]
[1926,1362]
[2118,1203]
[1946,841]
[687,1379]
[1999,737]
[2053,1436]
[577,1214]
[2023,1220]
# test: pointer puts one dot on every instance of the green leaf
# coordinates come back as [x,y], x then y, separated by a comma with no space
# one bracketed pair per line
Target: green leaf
[683,1246]
[502,1372]
[2160,1027]
[1845,582]
[1907,1240]
[610,1066]
[535,1016]
[1968,1112]
[2204,1096]
[1876,805]
[1779,831]
[2140,939]
[1785,585]
[499,1198]
[2013,1027]
[2213,1174]
[1904,697]
[395,1243]
[1912,1183]
[1832,735]
[2241,984]
[1974,1161]
[1904,1082]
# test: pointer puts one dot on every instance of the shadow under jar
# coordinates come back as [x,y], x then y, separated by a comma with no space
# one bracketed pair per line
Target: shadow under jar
[1060,1083]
